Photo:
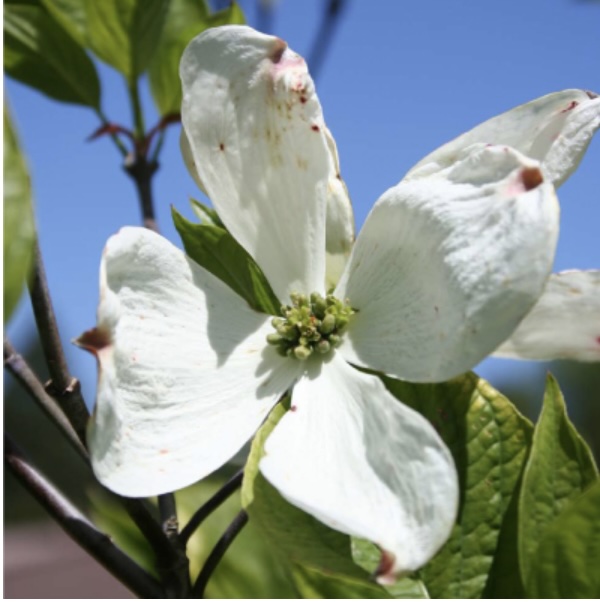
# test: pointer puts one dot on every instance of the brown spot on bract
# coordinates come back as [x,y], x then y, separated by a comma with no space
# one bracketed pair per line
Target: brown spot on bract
[383,572]
[531,177]
[571,106]
[301,163]
[314,127]
[162,452]
[277,51]
[94,340]
[591,94]
[293,408]
[222,146]
[303,99]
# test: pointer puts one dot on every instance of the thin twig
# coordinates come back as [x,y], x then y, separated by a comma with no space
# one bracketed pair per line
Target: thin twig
[168,514]
[264,16]
[19,368]
[141,171]
[211,505]
[63,387]
[118,143]
[77,526]
[218,552]
[324,36]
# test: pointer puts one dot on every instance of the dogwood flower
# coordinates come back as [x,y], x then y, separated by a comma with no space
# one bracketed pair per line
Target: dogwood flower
[446,266]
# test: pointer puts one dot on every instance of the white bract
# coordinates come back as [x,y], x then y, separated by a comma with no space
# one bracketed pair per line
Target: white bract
[447,264]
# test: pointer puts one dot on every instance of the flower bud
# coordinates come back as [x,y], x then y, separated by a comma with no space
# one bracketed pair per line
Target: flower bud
[328,324]
[302,353]
[323,347]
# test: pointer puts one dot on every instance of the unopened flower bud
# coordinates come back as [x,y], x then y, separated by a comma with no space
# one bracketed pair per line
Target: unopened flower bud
[328,324]
[302,353]
[323,347]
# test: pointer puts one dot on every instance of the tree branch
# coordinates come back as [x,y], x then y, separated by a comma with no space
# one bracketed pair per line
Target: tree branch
[141,171]
[19,368]
[324,36]
[62,386]
[77,526]
[238,523]
[211,505]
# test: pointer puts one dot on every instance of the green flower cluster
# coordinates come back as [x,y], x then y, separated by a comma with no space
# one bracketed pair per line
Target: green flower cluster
[310,324]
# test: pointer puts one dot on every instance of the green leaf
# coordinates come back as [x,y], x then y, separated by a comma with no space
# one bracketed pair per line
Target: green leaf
[40,53]
[19,228]
[218,252]
[208,216]
[124,33]
[568,556]
[71,15]
[185,20]
[320,558]
[559,468]
[489,440]
[367,556]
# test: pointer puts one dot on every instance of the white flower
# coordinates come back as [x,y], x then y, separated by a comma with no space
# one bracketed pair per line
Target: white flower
[446,266]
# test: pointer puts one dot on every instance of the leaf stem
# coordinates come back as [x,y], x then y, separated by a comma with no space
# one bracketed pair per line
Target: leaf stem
[78,527]
[211,505]
[62,386]
[217,553]
[136,108]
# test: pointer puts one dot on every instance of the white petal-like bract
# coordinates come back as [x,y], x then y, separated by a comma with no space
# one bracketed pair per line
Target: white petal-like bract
[340,222]
[354,457]
[564,324]
[258,141]
[448,264]
[185,377]
[555,129]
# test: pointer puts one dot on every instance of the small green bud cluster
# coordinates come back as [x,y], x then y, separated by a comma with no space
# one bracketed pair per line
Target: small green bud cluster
[309,324]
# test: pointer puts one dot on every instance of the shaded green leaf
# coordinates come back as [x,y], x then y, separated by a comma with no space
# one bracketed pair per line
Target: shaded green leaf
[218,252]
[185,20]
[19,228]
[489,440]
[124,33]
[320,558]
[568,556]
[40,53]
[504,580]
[559,468]
[71,15]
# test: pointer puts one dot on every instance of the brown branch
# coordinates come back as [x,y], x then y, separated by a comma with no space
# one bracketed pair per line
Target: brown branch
[324,36]
[238,523]
[62,386]
[211,505]
[141,171]
[19,368]
[77,526]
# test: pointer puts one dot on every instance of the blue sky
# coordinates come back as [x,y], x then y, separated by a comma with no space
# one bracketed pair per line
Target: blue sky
[400,79]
